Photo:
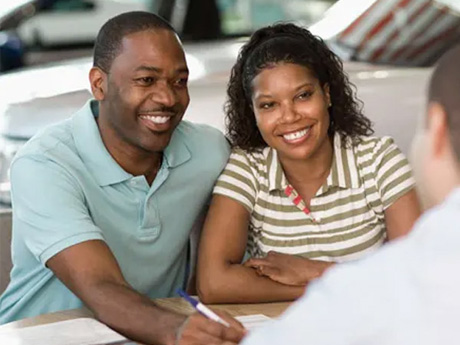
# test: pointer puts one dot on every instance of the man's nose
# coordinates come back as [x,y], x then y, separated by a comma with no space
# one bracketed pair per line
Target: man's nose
[165,94]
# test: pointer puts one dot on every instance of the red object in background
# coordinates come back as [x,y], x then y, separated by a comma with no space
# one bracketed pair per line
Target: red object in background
[413,32]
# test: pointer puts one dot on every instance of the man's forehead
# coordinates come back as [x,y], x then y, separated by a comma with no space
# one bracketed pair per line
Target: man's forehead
[153,34]
[159,70]
[157,39]
[152,49]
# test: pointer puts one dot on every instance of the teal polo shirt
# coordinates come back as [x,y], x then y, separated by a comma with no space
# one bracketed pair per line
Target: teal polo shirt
[67,189]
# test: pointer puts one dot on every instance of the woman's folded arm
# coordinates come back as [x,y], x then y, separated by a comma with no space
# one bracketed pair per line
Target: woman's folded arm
[221,275]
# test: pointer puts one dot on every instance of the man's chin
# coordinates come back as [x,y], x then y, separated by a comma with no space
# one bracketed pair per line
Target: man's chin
[157,140]
[157,146]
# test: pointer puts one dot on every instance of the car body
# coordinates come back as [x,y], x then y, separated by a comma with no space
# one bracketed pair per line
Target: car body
[12,49]
[70,22]
[393,95]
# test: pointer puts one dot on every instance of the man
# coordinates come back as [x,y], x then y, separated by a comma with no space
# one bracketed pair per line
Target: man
[407,293]
[104,202]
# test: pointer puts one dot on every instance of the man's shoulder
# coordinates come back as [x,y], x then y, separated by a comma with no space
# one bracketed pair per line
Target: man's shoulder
[53,141]
[437,229]
[202,138]
[199,131]
[432,243]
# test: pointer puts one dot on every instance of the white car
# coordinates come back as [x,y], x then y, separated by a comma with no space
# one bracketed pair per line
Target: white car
[66,22]
[393,95]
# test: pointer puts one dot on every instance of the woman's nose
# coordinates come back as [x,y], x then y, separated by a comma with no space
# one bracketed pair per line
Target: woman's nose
[289,113]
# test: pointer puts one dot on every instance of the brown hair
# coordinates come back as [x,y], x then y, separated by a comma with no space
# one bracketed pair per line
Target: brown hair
[445,89]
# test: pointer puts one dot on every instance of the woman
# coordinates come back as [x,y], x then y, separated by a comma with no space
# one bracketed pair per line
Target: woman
[305,186]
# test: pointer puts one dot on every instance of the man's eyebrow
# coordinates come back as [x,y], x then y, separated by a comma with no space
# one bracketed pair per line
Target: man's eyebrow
[159,70]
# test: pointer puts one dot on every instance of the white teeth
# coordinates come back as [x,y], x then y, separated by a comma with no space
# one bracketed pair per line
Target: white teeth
[157,119]
[296,135]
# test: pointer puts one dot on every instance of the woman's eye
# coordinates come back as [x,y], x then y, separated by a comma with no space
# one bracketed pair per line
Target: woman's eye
[304,95]
[266,105]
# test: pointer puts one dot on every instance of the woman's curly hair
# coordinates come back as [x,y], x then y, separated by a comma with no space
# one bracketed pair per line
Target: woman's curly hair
[288,43]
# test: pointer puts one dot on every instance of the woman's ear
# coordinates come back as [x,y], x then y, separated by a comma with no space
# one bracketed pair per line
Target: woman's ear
[98,82]
[327,93]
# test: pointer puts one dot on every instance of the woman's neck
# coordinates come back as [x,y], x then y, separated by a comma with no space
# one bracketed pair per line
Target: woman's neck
[311,171]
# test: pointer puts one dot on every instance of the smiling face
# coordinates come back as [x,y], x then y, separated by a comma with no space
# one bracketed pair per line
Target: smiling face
[291,110]
[145,92]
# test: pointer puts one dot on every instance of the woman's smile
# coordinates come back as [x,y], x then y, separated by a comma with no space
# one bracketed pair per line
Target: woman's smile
[291,110]
[298,136]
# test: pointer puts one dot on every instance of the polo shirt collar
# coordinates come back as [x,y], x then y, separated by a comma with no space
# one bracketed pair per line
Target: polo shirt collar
[276,178]
[177,151]
[91,148]
[344,171]
[97,158]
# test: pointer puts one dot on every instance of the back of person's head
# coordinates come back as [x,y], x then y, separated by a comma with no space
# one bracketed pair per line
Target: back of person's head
[289,43]
[445,90]
[111,34]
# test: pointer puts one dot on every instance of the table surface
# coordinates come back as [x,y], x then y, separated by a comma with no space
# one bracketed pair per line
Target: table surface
[175,304]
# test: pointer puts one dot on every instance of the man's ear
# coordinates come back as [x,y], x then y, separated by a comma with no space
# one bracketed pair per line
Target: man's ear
[438,130]
[98,81]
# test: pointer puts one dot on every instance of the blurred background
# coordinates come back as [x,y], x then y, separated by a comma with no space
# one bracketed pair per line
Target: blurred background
[388,48]
[34,32]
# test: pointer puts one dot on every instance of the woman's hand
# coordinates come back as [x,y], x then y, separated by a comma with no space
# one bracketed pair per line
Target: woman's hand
[288,269]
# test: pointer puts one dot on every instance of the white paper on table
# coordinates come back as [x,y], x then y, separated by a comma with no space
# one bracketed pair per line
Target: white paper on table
[252,321]
[81,331]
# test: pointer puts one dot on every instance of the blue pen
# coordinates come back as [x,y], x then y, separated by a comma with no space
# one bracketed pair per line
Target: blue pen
[200,307]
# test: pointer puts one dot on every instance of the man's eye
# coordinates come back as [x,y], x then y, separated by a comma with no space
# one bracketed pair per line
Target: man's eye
[182,82]
[146,80]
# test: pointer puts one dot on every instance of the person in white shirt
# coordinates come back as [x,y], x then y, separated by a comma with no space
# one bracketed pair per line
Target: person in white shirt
[407,292]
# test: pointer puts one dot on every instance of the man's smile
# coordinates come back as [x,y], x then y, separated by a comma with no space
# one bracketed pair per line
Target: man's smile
[158,123]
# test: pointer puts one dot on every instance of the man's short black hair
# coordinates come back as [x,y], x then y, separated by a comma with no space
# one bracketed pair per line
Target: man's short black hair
[108,41]
[445,90]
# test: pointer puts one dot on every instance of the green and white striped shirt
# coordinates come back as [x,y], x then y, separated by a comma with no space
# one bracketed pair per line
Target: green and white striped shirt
[347,213]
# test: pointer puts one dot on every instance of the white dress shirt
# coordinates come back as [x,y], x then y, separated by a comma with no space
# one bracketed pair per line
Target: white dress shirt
[407,293]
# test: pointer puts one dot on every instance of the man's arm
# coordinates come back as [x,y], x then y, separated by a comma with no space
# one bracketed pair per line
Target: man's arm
[90,270]
[55,224]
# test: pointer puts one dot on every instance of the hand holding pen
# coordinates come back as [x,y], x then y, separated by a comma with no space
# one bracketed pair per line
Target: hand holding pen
[220,331]
[201,308]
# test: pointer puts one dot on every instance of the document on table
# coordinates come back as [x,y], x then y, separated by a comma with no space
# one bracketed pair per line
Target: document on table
[86,331]
[82,331]
[252,321]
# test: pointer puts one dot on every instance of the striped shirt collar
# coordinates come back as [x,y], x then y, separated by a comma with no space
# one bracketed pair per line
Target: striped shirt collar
[344,171]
